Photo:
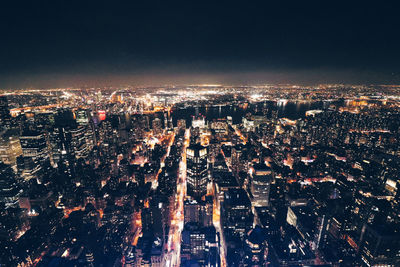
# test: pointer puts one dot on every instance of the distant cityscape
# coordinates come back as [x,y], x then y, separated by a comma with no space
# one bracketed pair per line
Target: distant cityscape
[200,175]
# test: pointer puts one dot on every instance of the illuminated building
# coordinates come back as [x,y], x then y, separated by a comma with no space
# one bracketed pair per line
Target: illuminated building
[10,149]
[74,142]
[34,145]
[170,123]
[130,259]
[312,224]
[181,124]
[9,188]
[260,185]
[313,112]
[198,212]
[156,125]
[239,159]
[219,126]
[5,116]
[89,258]
[82,116]
[248,124]
[220,164]
[55,145]
[199,121]
[229,120]
[166,120]
[101,115]
[196,242]
[256,247]
[380,245]
[78,141]
[197,170]
[277,199]
[237,218]
[200,245]
[35,154]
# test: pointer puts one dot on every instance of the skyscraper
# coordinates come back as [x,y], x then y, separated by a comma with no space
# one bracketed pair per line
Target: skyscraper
[5,116]
[78,141]
[200,246]
[9,188]
[34,145]
[197,170]
[256,247]
[181,124]
[260,185]
[237,218]
[10,148]
[380,244]
[199,121]
[156,125]
[35,153]
[198,212]
[82,116]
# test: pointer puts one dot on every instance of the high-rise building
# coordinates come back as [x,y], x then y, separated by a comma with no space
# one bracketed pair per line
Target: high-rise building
[10,148]
[130,259]
[260,185]
[237,218]
[219,126]
[239,159]
[277,199]
[5,116]
[229,120]
[380,245]
[256,247]
[198,212]
[9,188]
[156,125]
[78,142]
[74,142]
[220,164]
[170,123]
[200,246]
[181,124]
[89,258]
[55,145]
[34,145]
[82,116]
[197,170]
[35,154]
[196,240]
[165,120]
[199,121]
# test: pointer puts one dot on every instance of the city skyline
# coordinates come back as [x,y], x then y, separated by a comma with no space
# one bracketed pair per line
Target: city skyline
[204,175]
[199,133]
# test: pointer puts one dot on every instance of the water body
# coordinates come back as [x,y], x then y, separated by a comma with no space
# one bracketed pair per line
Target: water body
[285,109]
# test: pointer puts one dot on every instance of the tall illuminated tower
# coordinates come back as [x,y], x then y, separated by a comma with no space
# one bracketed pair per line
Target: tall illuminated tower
[260,185]
[197,171]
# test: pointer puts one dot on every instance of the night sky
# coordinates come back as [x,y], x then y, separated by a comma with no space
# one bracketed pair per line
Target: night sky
[79,43]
